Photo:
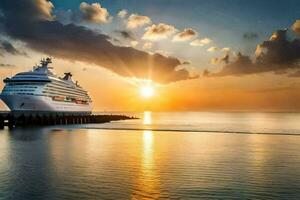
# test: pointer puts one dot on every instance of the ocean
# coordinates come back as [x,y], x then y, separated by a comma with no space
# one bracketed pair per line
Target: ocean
[162,155]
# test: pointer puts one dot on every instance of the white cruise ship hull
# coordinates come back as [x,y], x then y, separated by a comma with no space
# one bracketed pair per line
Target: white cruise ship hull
[41,104]
[40,91]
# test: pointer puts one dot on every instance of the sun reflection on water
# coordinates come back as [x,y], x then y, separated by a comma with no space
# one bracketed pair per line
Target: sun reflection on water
[148,178]
[147,149]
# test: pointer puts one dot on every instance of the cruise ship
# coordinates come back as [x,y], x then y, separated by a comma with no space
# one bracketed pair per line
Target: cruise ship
[40,91]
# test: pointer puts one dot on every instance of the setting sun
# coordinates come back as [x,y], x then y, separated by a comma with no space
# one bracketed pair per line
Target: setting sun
[147,91]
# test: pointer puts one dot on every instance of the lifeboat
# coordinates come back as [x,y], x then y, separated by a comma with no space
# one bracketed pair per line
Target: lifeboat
[58,98]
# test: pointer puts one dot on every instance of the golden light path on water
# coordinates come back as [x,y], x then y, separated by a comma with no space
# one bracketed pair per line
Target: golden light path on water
[148,179]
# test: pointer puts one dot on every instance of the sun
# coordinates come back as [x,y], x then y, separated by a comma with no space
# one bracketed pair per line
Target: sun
[147,91]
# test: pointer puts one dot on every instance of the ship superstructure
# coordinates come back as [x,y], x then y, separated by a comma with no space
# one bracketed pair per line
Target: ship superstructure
[41,91]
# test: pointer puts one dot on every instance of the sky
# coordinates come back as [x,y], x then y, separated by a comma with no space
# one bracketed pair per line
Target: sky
[196,55]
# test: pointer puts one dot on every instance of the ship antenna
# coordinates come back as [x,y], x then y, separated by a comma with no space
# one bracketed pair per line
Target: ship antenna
[49,60]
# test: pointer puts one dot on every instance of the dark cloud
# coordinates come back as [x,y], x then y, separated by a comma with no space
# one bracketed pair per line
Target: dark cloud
[294,74]
[241,65]
[278,50]
[250,36]
[6,65]
[224,59]
[79,43]
[7,47]
[28,10]
[185,35]
[128,35]
[206,72]
[280,72]
[278,54]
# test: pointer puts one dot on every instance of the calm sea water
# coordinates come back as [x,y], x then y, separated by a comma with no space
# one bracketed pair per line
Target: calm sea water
[160,156]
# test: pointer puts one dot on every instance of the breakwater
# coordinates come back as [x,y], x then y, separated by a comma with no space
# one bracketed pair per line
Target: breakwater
[10,120]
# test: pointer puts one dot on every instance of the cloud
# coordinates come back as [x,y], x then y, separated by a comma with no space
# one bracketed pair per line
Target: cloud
[128,35]
[94,13]
[134,43]
[122,13]
[212,49]
[68,16]
[136,20]
[226,49]
[296,27]
[185,35]
[206,73]
[224,59]
[158,32]
[278,50]
[186,63]
[7,47]
[241,65]
[201,42]
[147,45]
[294,74]
[214,61]
[6,65]
[166,53]
[250,36]
[77,43]
[278,54]
[37,10]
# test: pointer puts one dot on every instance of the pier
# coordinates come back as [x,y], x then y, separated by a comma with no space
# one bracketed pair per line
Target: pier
[10,120]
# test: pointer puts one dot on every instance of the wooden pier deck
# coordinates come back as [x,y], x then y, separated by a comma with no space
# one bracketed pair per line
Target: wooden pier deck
[11,121]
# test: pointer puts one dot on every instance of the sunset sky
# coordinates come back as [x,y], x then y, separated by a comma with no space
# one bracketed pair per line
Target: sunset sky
[194,54]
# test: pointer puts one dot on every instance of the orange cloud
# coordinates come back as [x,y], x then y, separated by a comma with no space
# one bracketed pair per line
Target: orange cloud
[185,35]
[201,42]
[136,20]
[296,27]
[94,13]
[147,45]
[212,49]
[158,32]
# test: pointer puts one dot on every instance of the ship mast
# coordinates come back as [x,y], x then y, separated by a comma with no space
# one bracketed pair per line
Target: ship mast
[43,67]
[45,62]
